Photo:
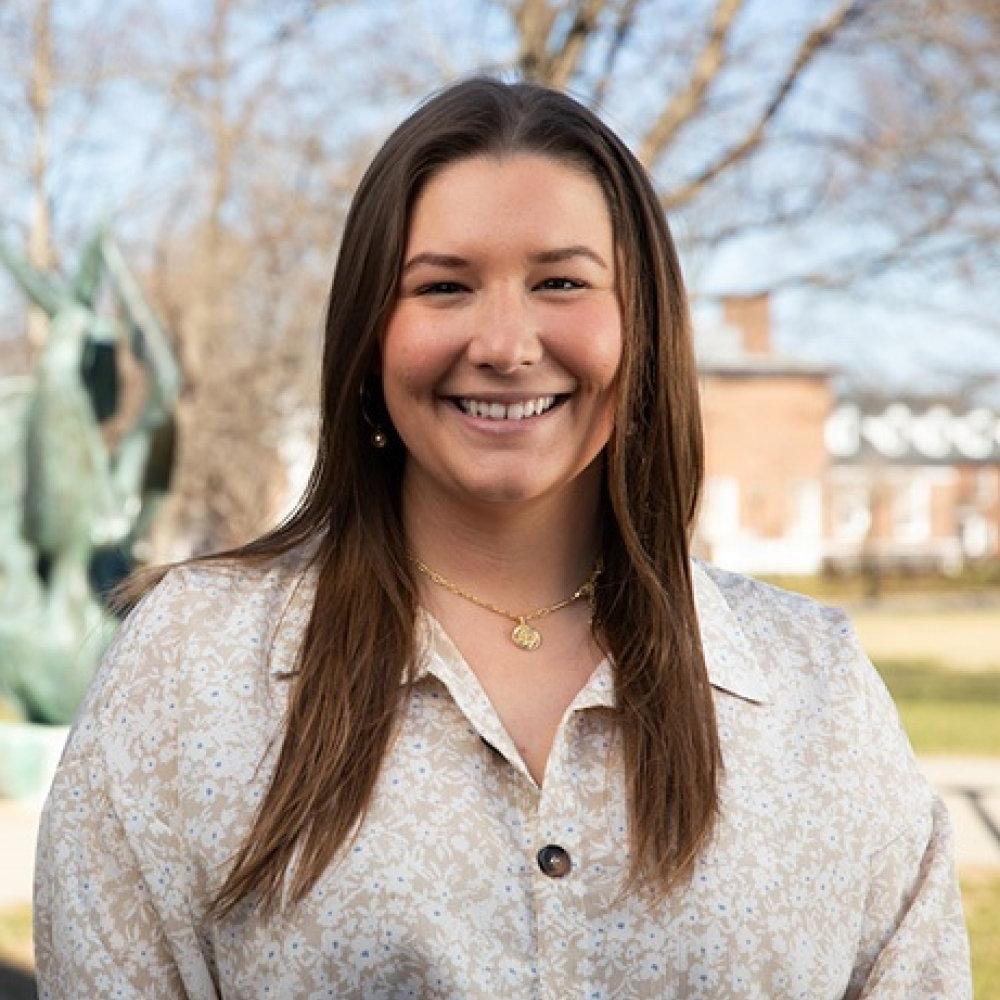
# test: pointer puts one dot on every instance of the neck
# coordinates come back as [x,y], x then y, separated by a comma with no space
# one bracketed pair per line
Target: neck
[524,554]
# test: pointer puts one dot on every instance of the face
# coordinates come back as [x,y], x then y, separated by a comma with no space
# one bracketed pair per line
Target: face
[499,360]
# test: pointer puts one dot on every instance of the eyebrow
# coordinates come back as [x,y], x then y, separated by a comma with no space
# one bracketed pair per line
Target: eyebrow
[554,256]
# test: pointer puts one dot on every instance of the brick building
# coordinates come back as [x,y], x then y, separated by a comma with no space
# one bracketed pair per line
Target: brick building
[913,483]
[766,459]
[797,480]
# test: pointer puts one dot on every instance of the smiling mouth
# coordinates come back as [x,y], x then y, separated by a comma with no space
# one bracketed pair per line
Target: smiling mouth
[520,410]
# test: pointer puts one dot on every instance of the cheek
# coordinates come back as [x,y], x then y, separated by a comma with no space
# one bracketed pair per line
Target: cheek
[413,358]
[593,348]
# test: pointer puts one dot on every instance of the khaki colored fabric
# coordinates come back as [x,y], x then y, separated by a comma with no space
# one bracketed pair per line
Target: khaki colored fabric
[830,874]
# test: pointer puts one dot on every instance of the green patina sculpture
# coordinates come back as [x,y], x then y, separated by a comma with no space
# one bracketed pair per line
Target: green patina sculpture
[70,508]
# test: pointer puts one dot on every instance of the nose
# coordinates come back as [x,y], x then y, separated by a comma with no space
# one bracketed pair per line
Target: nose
[505,336]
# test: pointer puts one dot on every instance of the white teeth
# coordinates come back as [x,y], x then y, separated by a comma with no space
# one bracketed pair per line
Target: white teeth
[512,411]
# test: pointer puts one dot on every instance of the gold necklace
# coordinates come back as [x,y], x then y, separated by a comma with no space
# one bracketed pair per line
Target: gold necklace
[523,635]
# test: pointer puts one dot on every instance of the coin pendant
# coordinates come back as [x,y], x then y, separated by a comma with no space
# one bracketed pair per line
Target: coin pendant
[525,637]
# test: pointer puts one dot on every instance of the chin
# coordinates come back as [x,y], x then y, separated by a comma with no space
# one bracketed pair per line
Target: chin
[513,487]
[498,493]
[525,482]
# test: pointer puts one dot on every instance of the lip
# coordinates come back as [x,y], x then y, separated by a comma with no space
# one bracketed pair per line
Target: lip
[503,428]
[507,398]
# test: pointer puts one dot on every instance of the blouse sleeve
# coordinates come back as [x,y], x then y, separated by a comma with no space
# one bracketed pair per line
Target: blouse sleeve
[913,942]
[112,914]
[97,929]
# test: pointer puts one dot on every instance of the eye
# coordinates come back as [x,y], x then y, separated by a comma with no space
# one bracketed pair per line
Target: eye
[561,284]
[441,288]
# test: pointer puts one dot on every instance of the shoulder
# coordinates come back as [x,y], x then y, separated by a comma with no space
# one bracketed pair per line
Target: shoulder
[746,595]
[219,606]
[223,603]
[203,624]
[805,649]
[827,701]
[790,634]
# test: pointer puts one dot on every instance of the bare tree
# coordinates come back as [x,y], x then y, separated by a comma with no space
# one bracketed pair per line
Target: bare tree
[235,267]
[231,217]
[40,101]
[887,110]
[39,89]
[862,131]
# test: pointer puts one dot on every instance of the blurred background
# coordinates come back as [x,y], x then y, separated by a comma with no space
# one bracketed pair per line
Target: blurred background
[173,179]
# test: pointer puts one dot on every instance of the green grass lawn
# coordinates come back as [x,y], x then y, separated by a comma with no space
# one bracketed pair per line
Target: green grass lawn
[946,711]
[981,899]
[984,582]
[15,937]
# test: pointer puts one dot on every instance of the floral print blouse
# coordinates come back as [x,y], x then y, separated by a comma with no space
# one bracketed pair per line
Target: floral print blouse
[830,873]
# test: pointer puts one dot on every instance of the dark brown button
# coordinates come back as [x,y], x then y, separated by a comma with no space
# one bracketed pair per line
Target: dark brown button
[554,861]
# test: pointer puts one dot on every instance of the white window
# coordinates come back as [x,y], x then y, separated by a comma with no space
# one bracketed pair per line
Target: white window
[721,514]
[911,511]
[851,516]
[807,507]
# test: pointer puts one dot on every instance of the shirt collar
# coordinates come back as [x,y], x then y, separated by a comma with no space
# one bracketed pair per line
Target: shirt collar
[729,655]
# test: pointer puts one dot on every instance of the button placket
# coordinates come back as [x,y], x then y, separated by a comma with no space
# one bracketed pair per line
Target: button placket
[557,829]
[558,917]
[561,849]
[554,861]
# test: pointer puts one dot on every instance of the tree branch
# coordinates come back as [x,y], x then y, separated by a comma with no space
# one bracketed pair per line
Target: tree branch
[622,30]
[817,40]
[533,20]
[686,104]
[849,271]
[563,63]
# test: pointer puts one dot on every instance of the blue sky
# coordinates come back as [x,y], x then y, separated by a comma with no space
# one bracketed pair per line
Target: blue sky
[901,332]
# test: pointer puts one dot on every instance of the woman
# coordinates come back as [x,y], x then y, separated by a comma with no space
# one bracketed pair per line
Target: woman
[471,723]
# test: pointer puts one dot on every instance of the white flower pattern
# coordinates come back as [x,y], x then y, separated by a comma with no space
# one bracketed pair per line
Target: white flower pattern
[830,874]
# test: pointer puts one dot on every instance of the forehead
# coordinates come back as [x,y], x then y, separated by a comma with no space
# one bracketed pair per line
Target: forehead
[516,198]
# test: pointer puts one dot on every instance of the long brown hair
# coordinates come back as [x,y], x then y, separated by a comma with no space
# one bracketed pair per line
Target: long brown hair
[359,643]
